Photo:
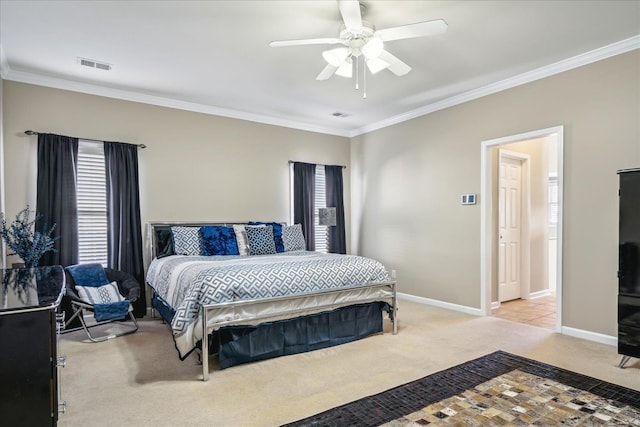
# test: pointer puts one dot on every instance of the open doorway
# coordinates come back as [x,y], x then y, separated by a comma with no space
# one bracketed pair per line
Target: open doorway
[522,226]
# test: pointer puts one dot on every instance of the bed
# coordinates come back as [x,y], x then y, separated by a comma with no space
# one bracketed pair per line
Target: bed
[246,308]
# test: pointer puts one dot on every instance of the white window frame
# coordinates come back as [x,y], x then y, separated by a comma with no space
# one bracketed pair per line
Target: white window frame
[91,197]
[320,202]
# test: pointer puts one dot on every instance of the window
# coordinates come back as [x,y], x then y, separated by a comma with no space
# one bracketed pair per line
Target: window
[91,196]
[553,201]
[320,202]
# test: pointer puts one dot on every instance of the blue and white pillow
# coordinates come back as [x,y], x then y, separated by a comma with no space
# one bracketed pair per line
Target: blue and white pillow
[261,240]
[186,240]
[277,233]
[293,238]
[105,294]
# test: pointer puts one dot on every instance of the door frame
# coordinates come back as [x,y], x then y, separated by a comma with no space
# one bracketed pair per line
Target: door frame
[487,229]
[525,211]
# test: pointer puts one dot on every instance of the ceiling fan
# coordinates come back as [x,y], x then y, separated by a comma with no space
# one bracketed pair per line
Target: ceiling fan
[361,40]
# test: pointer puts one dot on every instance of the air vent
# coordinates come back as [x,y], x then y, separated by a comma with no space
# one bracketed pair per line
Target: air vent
[94,64]
[339,114]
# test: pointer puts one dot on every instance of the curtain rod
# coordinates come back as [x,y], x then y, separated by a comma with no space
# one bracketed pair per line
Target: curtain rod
[295,161]
[31,132]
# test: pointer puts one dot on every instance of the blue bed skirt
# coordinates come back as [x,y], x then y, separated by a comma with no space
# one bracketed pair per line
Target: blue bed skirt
[243,344]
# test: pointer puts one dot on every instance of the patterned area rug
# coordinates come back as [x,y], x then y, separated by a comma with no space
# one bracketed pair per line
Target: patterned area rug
[500,389]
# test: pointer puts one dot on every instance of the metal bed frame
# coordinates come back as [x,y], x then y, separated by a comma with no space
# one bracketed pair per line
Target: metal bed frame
[304,303]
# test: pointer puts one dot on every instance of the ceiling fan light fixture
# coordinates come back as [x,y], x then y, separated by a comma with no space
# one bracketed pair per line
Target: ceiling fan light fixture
[373,48]
[376,65]
[336,56]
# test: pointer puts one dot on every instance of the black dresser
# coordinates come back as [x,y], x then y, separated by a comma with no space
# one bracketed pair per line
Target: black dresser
[629,266]
[28,341]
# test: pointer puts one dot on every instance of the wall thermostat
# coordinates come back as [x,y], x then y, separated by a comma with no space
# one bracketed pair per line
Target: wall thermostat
[468,199]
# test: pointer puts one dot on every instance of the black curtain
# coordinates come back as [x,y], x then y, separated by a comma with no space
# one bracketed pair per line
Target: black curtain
[335,198]
[304,192]
[124,236]
[56,196]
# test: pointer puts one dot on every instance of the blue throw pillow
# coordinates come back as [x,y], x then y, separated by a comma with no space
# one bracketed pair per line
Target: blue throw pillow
[277,233]
[261,240]
[88,274]
[219,240]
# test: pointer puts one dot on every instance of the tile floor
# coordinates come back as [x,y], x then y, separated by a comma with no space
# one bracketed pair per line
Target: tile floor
[539,312]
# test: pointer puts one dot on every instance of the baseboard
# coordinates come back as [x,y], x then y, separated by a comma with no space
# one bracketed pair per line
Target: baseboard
[441,304]
[495,305]
[590,336]
[540,294]
[572,332]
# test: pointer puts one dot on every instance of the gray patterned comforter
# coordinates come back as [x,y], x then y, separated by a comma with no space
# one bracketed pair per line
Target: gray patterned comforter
[189,282]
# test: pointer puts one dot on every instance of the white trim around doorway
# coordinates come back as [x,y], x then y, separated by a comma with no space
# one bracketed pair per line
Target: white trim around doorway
[487,229]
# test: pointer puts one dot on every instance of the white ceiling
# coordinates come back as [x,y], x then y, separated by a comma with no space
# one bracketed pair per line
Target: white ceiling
[213,56]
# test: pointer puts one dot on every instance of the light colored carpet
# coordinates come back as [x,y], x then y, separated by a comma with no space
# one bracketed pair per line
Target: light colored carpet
[139,380]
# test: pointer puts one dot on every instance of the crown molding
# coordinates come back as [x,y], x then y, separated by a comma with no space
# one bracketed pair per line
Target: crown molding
[605,52]
[126,95]
[4,65]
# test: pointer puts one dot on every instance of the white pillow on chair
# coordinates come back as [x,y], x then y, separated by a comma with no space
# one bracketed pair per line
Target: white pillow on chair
[104,294]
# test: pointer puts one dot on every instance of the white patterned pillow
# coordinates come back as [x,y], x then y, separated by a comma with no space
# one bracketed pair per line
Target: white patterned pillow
[241,238]
[293,238]
[187,240]
[105,294]
[261,240]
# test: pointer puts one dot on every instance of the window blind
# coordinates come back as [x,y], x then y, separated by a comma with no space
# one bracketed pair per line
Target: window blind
[553,201]
[320,202]
[91,196]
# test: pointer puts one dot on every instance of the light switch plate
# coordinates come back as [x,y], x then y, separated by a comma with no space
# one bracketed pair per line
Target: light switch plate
[468,199]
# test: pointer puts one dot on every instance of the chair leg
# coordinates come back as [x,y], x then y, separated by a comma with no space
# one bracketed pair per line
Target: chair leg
[76,312]
[105,337]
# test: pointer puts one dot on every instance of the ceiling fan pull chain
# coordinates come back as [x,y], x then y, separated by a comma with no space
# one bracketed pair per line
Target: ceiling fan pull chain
[357,71]
[364,81]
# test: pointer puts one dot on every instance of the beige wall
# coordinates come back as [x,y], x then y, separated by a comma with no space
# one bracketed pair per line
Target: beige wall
[407,180]
[195,166]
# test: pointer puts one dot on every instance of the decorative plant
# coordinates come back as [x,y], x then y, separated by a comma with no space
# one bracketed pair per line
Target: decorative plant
[24,240]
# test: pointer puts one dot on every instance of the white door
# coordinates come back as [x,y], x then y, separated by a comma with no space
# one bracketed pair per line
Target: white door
[509,228]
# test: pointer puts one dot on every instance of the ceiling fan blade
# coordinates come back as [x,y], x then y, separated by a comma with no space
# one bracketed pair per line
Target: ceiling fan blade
[396,66]
[327,40]
[327,72]
[350,11]
[375,65]
[419,29]
[345,69]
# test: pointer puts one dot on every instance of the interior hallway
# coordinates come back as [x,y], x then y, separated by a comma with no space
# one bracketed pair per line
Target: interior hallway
[539,312]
